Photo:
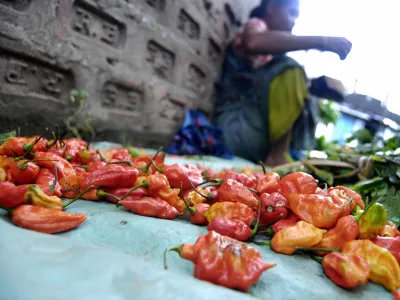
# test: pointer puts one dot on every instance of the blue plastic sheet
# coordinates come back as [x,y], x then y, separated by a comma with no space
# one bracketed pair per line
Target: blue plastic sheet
[115,254]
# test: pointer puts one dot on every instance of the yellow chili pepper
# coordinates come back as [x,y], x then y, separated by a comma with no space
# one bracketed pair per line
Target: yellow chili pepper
[384,267]
[35,196]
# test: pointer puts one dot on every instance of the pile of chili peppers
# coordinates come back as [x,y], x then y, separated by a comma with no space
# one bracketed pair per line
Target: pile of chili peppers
[350,237]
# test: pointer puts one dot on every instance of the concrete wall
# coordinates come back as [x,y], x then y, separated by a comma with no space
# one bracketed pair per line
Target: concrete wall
[140,61]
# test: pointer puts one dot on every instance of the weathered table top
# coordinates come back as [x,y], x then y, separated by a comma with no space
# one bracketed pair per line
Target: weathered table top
[115,254]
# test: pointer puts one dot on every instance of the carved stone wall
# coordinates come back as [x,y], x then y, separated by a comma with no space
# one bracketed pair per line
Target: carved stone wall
[140,61]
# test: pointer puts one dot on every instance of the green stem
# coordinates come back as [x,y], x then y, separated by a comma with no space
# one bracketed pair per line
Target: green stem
[9,210]
[191,210]
[144,184]
[101,156]
[217,181]
[22,165]
[370,204]
[120,162]
[53,185]
[78,197]
[318,249]
[263,167]
[33,145]
[160,170]
[101,193]
[318,259]
[56,137]
[268,232]
[208,197]
[147,167]
[82,167]
[254,231]
[176,248]
[267,243]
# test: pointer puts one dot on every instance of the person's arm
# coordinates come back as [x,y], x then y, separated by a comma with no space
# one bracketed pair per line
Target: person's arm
[279,42]
[276,156]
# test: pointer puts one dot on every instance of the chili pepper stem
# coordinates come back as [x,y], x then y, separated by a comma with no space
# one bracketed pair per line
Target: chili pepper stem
[82,167]
[144,184]
[176,248]
[209,196]
[53,185]
[101,193]
[28,150]
[267,243]
[269,231]
[191,210]
[263,167]
[318,249]
[254,231]
[358,218]
[9,210]
[56,137]
[78,197]
[22,165]
[318,259]
[160,170]
[101,156]
[147,167]
[217,181]
[120,162]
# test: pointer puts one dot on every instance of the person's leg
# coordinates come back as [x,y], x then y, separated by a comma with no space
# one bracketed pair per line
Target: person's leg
[287,94]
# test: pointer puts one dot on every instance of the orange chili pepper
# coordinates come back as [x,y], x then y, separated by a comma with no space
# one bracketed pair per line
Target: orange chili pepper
[231,210]
[348,195]
[268,183]
[315,209]
[151,207]
[223,261]
[45,220]
[346,270]
[233,191]
[298,183]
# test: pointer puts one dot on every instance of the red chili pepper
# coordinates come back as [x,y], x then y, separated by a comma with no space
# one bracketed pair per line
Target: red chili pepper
[231,228]
[45,180]
[151,207]
[272,206]
[346,270]
[232,211]
[322,192]
[71,185]
[159,188]
[73,147]
[96,165]
[278,226]
[343,199]
[58,149]
[120,192]
[196,211]
[396,295]
[13,147]
[121,154]
[268,183]
[177,173]
[389,243]
[48,160]
[234,191]
[293,217]
[113,176]
[24,171]
[250,182]
[88,155]
[45,220]
[11,195]
[348,194]
[298,183]
[145,164]
[223,261]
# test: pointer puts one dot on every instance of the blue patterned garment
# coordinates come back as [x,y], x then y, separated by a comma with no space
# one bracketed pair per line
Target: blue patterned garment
[197,136]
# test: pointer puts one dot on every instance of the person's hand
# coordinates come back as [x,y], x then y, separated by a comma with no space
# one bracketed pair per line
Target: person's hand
[338,45]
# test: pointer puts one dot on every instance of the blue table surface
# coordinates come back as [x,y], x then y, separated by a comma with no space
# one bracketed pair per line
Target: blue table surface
[115,254]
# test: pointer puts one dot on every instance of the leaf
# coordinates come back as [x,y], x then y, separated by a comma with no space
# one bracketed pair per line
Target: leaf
[6,135]
[288,157]
[392,203]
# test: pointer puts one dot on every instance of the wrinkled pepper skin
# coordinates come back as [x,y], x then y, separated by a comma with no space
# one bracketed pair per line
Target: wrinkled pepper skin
[346,270]
[13,147]
[64,168]
[36,197]
[297,183]
[193,198]
[121,154]
[71,185]
[349,194]
[390,243]
[87,156]
[151,207]
[3,175]
[120,192]
[231,228]
[248,181]
[46,220]
[232,211]
[315,209]
[11,195]
[198,217]
[346,230]
[73,147]
[159,188]
[387,231]
[278,226]
[342,199]
[233,191]
[225,261]
[303,234]
[113,176]
[373,221]
[322,192]
[272,206]
[268,183]
[384,268]
[44,180]
[96,165]
[24,172]
[177,173]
